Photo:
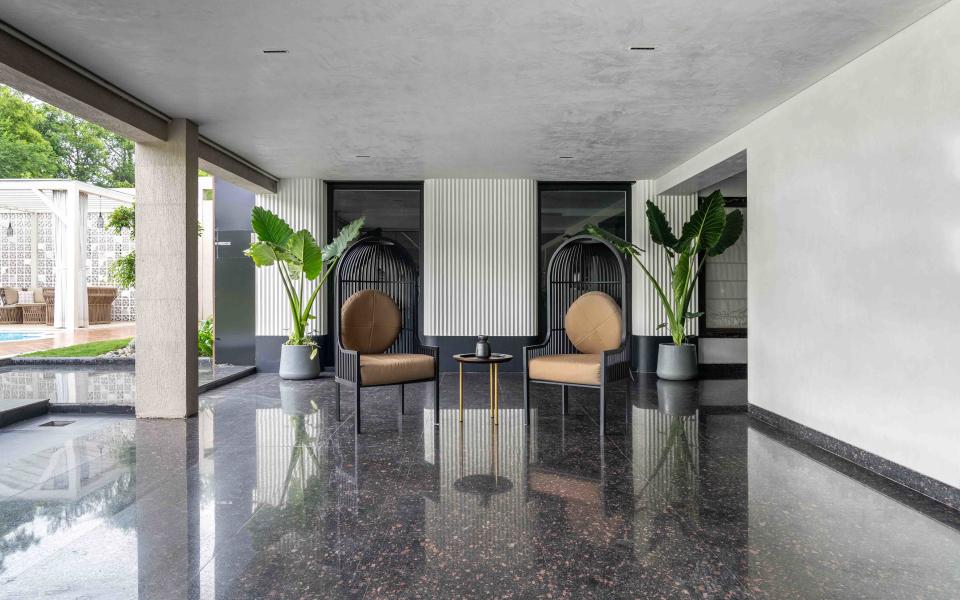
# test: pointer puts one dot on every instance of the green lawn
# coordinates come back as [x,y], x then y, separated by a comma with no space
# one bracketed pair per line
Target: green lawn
[91,349]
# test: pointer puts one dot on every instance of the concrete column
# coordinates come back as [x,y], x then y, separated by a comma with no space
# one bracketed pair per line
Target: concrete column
[166,370]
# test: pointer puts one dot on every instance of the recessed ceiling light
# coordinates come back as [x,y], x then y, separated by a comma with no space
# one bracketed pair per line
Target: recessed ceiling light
[642,48]
[566,157]
[362,156]
[275,51]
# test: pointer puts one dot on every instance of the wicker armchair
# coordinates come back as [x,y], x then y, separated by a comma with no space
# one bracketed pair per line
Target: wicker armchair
[377,327]
[586,344]
[11,315]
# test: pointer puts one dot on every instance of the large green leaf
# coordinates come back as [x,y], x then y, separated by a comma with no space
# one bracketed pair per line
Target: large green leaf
[262,253]
[731,233]
[306,253]
[335,249]
[681,277]
[660,231]
[705,226]
[269,227]
[617,242]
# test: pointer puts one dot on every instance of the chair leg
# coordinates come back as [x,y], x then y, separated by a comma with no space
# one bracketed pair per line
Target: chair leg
[526,400]
[564,399]
[356,415]
[603,410]
[401,399]
[436,400]
[337,395]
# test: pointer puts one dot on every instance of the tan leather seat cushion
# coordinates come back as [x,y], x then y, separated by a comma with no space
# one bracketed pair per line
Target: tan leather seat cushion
[593,323]
[384,369]
[567,368]
[369,322]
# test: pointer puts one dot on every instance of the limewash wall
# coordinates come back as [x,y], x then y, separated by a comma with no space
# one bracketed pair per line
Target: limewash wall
[854,244]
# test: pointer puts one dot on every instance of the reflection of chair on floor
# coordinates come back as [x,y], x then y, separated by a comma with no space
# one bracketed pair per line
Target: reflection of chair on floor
[377,326]
[586,343]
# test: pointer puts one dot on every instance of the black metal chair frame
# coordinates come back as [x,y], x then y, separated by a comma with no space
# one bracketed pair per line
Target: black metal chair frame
[579,265]
[375,262]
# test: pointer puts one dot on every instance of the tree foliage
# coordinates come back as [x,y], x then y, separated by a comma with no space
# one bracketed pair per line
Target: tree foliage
[38,140]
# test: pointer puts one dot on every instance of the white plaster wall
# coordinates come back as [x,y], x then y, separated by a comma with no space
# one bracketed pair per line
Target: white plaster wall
[854,243]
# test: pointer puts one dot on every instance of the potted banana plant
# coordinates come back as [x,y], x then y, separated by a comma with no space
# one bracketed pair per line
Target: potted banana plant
[709,232]
[298,259]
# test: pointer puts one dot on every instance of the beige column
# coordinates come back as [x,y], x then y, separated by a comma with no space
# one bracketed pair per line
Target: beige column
[166,368]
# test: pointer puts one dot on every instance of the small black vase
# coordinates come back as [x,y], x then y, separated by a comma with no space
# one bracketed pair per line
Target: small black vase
[483,347]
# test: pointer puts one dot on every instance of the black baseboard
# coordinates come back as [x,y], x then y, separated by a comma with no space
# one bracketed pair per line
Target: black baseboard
[722,371]
[644,351]
[923,484]
[450,345]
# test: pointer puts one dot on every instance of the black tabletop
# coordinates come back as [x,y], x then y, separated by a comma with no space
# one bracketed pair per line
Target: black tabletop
[473,358]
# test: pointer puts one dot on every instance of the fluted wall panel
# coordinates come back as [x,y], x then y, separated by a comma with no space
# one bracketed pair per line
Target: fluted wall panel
[648,311]
[301,203]
[480,257]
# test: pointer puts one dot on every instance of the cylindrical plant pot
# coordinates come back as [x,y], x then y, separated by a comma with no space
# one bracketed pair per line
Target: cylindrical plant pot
[677,398]
[295,363]
[677,363]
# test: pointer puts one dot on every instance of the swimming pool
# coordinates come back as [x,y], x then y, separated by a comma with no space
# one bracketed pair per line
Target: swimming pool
[19,336]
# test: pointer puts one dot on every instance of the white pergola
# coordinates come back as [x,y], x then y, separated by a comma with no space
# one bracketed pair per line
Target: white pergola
[68,201]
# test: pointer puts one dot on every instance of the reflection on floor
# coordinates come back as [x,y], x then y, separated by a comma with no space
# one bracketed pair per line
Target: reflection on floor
[87,385]
[267,495]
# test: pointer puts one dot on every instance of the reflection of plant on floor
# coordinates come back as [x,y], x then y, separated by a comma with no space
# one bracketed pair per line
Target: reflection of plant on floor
[303,492]
[205,337]
[677,452]
[13,538]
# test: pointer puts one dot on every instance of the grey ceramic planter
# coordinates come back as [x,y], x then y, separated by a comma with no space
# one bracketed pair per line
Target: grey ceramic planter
[677,363]
[295,363]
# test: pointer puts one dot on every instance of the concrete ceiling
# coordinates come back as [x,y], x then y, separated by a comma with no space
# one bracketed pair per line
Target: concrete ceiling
[460,88]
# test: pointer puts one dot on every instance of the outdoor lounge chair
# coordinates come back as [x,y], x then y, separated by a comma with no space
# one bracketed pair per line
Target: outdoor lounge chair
[586,343]
[377,327]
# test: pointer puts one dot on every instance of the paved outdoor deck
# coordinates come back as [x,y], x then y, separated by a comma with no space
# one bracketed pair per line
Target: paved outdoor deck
[59,338]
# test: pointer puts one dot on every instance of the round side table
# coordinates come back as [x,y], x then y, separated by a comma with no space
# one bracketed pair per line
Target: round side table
[494,360]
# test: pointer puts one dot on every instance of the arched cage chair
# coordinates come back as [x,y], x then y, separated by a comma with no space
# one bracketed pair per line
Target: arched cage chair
[580,265]
[377,263]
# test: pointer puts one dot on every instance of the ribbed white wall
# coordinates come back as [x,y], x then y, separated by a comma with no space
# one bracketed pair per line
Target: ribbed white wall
[480,257]
[301,203]
[647,309]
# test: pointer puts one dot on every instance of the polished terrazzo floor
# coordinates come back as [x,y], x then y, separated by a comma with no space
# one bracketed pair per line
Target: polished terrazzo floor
[267,495]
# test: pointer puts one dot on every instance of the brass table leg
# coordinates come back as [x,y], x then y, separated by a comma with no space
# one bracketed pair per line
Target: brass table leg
[490,381]
[496,394]
[461,392]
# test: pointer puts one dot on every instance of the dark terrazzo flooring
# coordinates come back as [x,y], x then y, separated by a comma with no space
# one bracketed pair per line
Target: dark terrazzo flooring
[267,495]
